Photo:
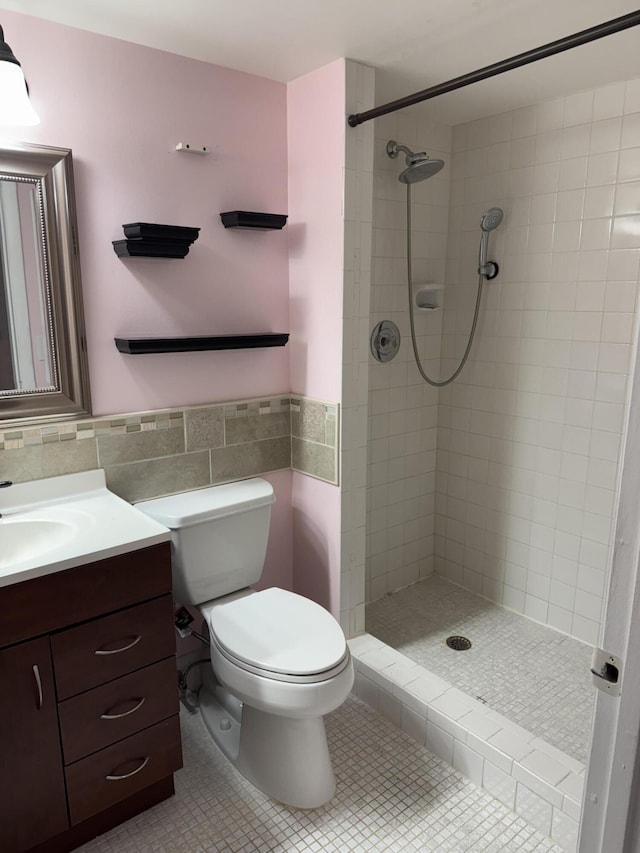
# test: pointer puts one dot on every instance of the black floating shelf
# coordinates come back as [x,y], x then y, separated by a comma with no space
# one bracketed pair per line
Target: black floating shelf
[150,240]
[152,231]
[149,249]
[249,219]
[143,346]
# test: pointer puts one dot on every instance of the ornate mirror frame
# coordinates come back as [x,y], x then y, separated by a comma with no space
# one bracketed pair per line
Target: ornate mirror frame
[68,396]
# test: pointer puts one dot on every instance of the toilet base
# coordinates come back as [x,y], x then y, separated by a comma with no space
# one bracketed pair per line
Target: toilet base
[286,757]
[222,723]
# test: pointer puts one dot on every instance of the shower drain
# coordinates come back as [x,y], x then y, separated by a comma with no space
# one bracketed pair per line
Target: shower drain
[460,644]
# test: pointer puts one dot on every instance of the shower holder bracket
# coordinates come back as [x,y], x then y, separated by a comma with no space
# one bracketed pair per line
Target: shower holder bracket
[490,270]
[385,341]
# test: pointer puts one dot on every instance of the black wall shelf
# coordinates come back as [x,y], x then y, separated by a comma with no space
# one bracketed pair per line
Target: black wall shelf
[249,219]
[144,346]
[151,240]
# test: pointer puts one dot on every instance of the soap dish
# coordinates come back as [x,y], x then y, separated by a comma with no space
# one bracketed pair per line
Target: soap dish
[428,298]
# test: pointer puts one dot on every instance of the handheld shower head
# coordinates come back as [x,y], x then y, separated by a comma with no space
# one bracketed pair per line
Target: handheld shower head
[489,221]
[491,218]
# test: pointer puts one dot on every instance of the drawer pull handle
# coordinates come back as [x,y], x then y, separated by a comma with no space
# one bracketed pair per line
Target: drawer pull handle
[113,778]
[130,645]
[36,675]
[108,716]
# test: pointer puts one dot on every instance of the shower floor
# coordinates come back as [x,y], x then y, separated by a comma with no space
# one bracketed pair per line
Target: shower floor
[533,675]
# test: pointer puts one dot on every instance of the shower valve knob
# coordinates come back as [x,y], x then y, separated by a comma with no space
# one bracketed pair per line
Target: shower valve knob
[385,341]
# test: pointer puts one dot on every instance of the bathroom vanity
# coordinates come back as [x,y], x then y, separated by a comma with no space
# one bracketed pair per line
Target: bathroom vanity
[89,726]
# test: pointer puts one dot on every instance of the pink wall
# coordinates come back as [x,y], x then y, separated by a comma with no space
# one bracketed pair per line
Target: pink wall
[316,541]
[122,108]
[316,138]
[277,566]
[316,135]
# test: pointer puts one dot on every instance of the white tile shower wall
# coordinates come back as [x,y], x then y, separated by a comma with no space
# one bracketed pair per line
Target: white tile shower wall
[529,437]
[358,192]
[402,407]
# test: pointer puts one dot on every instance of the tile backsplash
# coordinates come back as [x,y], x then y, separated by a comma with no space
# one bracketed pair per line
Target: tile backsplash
[155,453]
[314,439]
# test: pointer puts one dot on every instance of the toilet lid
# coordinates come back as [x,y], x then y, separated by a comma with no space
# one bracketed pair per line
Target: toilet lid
[278,631]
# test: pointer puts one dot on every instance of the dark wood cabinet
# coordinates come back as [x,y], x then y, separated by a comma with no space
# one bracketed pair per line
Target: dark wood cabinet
[104,649]
[116,710]
[89,728]
[32,788]
[126,767]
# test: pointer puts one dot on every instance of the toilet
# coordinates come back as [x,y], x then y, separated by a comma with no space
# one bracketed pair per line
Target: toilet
[279,661]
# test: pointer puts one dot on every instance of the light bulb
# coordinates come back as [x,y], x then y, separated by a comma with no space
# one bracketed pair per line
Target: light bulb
[15,107]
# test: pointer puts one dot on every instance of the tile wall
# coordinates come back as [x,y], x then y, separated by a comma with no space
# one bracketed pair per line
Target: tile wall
[314,438]
[527,441]
[357,212]
[529,437]
[403,408]
[149,454]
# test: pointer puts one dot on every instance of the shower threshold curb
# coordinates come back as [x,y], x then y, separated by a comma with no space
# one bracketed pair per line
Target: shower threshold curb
[540,783]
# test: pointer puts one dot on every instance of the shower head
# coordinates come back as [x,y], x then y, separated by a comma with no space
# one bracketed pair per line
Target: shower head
[489,221]
[420,169]
[419,166]
[491,218]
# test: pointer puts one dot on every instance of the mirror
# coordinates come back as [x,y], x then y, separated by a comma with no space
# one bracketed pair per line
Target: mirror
[43,364]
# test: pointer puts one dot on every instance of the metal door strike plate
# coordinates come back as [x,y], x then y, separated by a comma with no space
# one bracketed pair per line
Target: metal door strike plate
[607,672]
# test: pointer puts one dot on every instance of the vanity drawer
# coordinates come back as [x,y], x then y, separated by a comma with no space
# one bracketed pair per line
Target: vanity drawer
[114,773]
[102,650]
[113,711]
[52,602]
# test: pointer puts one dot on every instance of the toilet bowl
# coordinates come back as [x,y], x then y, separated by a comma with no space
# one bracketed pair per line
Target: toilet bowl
[277,737]
[279,662]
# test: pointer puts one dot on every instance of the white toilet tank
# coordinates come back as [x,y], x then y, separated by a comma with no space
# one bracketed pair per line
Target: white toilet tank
[218,537]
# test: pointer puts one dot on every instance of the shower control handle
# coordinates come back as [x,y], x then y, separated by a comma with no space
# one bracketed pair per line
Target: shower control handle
[385,341]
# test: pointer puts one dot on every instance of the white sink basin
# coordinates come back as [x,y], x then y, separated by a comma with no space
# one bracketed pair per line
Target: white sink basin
[61,522]
[26,535]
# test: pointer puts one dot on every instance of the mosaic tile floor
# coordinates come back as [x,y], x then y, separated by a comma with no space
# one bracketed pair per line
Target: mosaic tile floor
[534,675]
[392,796]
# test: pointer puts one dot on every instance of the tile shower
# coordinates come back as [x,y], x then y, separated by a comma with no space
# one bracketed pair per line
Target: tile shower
[504,483]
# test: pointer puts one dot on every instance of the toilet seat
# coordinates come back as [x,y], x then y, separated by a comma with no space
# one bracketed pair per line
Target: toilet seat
[312,678]
[277,634]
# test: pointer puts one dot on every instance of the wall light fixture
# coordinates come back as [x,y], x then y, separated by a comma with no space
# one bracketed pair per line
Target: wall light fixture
[15,107]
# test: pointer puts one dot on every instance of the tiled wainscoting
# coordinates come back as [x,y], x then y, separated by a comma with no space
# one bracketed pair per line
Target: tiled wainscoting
[148,454]
[541,784]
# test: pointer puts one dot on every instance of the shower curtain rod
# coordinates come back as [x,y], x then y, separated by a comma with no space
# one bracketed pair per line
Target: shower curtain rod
[553,47]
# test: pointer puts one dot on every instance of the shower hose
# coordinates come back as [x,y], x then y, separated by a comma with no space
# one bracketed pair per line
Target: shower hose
[436,383]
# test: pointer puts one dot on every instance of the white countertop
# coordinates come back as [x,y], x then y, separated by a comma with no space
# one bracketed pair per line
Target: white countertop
[59,523]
